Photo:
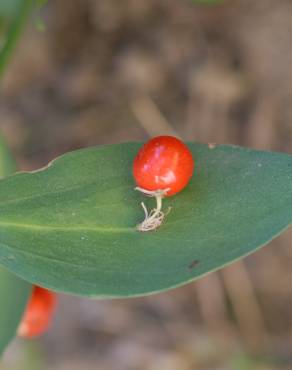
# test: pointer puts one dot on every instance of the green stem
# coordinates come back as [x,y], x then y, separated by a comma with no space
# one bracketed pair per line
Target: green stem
[14,33]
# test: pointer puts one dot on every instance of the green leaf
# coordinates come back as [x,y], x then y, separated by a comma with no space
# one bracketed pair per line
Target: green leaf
[41,3]
[21,12]
[7,164]
[14,292]
[71,226]
[40,24]
[9,7]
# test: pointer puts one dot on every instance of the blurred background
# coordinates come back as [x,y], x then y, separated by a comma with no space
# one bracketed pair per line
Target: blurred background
[101,72]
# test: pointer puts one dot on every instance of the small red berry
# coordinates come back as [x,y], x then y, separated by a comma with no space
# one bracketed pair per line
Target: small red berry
[38,313]
[162,167]
[164,162]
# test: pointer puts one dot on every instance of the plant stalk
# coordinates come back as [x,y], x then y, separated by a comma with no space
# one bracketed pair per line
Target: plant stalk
[14,32]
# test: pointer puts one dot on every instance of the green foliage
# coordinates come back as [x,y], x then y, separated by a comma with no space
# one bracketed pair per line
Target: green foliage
[71,226]
[7,164]
[20,12]
[39,22]
[13,291]
[8,8]
[41,3]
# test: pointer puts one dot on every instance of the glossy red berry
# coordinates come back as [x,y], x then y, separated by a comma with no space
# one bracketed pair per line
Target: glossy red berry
[38,313]
[164,162]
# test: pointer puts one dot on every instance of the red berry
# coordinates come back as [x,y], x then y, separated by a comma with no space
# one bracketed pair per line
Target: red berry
[38,313]
[163,162]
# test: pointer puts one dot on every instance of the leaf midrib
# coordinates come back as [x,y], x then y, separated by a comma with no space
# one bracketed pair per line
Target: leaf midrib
[99,229]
